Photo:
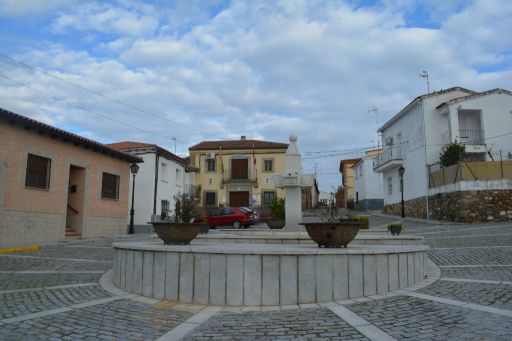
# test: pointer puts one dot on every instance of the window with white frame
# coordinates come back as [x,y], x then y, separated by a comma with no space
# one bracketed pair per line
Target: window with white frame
[163,172]
[390,186]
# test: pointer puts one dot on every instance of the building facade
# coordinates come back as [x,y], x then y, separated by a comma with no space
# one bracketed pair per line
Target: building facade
[161,177]
[368,185]
[414,139]
[54,183]
[237,173]
[347,182]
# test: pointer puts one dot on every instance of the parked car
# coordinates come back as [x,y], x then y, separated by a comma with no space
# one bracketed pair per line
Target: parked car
[253,212]
[230,216]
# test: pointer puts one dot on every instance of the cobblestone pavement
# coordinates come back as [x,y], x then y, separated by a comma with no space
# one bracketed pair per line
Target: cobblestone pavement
[310,324]
[54,294]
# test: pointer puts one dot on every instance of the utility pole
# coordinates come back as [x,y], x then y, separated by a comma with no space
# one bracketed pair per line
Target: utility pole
[424,75]
[174,139]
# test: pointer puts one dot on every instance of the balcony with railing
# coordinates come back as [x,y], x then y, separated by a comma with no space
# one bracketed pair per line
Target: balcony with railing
[240,175]
[471,137]
[391,157]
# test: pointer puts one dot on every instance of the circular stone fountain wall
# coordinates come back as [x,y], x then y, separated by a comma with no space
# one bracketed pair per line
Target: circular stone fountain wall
[264,274]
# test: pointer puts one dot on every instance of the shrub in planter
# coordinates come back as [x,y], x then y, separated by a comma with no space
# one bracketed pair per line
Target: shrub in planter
[277,210]
[395,228]
[365,222]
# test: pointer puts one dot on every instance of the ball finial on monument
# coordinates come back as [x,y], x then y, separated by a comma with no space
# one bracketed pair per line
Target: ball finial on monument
[293,138]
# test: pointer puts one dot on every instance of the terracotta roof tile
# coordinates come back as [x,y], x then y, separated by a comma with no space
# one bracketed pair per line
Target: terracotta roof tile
[64,136]
[132,146]
[238,144]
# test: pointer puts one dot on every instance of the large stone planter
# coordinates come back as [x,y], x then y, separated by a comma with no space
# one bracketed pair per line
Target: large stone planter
[275,224]
[333,234]
[177,233]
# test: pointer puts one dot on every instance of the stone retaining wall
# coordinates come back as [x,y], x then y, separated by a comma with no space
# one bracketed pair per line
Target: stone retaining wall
[460,206]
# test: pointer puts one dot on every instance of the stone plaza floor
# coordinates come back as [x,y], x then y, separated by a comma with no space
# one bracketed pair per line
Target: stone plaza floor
[55,294]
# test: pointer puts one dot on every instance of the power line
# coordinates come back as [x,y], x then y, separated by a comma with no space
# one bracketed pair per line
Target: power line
[81,108]
[13,61]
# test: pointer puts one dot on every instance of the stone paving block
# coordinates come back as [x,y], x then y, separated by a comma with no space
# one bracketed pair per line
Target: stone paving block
[270,281]
[172,268]
[306,279]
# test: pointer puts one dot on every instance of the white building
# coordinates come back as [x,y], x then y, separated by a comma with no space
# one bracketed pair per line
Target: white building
[325,198]
[415,136]
[162,176]
[367,186]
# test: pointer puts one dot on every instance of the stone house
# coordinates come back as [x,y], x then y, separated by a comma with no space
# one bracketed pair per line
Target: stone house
[161,177]
[414,139]
[54,183]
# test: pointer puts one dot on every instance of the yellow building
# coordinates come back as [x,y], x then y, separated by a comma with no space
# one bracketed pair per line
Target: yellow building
[237,173]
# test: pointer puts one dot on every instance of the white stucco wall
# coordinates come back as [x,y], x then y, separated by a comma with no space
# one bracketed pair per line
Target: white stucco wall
[367,184]
[144,185]
[167,188]
[496,118]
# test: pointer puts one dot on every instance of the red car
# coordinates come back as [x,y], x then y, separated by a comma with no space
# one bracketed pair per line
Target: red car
[231,216]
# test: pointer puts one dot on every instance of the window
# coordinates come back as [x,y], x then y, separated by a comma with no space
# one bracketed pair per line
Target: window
[268,165]
[38,172]
[210,165]
[163,172]
[166,209]
[110,186]
[268,197]
[390,186]
[210,199]
[178,177]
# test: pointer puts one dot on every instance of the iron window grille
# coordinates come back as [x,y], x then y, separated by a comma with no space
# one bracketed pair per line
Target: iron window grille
[38,172]
[110,186]
[210,199]
[268,197]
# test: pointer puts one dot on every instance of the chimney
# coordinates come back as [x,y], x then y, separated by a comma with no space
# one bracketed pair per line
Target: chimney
[242,137]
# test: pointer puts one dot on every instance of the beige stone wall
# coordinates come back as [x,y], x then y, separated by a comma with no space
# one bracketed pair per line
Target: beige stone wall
[105,226]
[22,203]
[27,228]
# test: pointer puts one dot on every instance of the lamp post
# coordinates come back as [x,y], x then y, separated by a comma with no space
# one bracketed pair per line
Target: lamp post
[401,172]
[134,168]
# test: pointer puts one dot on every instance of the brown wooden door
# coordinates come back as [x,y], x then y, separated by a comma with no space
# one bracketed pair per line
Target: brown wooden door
[237,199]
[239,169]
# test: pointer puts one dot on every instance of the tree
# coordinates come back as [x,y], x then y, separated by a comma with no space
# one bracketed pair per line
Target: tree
[451,154]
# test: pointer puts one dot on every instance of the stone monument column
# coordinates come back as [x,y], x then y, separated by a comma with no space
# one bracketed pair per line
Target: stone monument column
[291,180]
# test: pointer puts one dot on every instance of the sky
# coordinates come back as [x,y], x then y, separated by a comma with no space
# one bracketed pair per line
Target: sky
[175,73]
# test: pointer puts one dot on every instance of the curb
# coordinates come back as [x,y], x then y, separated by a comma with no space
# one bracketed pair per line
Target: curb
[20,249]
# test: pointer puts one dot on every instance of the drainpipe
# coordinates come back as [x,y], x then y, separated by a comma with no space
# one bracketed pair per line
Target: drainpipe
[425,149]
[157,159]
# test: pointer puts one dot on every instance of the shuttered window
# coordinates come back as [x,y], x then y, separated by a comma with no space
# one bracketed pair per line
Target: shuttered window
[38,172]
[110,186]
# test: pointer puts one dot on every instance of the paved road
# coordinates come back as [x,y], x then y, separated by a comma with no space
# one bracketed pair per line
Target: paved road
[54,294]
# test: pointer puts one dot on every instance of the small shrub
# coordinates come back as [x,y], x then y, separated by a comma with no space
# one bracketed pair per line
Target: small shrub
[451,154]
[277,208]
[185,208]
[365,221]
[391,225]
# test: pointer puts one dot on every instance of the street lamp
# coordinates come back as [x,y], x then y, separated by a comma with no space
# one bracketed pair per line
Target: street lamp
[401,172]
[134,168]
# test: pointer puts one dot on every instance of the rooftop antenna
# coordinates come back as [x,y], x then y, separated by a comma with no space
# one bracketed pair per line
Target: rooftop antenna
[375,111]
[424,75]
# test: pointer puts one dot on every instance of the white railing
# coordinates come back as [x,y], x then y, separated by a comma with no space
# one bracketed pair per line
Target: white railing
[389,154]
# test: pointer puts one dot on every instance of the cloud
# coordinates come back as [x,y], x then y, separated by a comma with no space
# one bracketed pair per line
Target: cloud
[107,18]
[19,8]
[266,70]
